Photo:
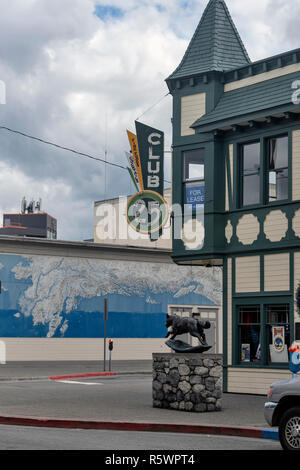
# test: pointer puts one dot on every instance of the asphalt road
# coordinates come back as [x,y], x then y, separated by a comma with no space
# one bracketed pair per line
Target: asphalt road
[120,398]
[27,438]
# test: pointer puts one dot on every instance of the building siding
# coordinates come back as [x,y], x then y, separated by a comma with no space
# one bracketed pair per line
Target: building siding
[247,274]
[296,165]
[192,107]
[254,382]
[262,77]
[277,272]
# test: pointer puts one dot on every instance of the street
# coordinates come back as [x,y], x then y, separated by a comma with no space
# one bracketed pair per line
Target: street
[120,398]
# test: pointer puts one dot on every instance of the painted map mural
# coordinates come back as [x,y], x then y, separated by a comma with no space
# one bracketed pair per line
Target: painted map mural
[44,296]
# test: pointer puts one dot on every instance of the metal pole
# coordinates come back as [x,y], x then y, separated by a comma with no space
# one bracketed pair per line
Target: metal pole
[104,334]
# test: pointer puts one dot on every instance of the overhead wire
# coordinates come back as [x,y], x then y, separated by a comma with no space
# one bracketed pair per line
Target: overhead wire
[76,152]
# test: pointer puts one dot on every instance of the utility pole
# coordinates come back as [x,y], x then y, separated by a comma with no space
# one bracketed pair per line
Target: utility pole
[105,317]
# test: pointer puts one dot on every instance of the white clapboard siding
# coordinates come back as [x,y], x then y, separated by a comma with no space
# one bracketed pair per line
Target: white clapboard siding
[296,165]
[262,77]
[247,274]
[296,268]
[248,229]
[193,107]
[229,310]
[276,226]
[277,272]
[256,381]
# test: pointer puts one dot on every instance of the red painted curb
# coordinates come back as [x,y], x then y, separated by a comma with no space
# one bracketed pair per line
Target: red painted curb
[128,426]
[74,376]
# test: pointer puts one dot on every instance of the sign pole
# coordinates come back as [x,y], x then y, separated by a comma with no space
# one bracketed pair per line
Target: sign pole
[105,316]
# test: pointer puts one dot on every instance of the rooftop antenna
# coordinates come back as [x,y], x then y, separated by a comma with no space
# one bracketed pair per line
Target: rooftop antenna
[38,205]
[23,205]
[105,153]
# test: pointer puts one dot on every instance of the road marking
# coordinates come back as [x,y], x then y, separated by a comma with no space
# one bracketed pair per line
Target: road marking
[77,383]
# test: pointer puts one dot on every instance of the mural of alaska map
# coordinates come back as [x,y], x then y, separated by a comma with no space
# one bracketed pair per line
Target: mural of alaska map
[47,296]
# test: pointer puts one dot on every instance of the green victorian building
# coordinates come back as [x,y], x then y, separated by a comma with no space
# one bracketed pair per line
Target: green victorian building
[236,171]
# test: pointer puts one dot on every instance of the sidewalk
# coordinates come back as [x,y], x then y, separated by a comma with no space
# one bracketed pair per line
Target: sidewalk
[123,402]
[45,369]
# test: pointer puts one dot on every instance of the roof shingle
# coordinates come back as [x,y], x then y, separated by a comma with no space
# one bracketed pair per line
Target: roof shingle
[215,46]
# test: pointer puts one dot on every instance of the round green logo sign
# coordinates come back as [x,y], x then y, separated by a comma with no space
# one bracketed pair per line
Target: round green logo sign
[147,212]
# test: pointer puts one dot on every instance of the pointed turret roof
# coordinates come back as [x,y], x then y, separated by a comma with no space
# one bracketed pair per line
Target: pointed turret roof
[215,46]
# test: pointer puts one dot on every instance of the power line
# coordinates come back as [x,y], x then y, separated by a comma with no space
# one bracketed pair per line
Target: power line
[76,152]
[153,106]
[102,160]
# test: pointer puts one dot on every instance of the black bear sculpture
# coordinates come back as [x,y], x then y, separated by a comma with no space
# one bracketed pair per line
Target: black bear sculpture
[189,325]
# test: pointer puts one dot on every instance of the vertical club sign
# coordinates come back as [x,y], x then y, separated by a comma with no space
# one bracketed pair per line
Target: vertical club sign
[147,210]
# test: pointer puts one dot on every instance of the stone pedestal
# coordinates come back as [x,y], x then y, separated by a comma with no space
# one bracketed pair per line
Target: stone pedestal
[187,382]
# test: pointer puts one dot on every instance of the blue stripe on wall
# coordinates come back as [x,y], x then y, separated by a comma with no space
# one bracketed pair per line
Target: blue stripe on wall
[88,325]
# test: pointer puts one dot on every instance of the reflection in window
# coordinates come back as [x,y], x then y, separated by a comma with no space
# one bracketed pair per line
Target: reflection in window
[194,165]
[278,169]
[251,173]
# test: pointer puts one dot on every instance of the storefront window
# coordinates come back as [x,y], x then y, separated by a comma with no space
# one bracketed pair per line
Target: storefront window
[278,169]
[250,331]
[264,333]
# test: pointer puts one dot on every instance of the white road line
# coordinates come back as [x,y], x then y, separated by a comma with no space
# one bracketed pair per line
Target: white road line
[78,383]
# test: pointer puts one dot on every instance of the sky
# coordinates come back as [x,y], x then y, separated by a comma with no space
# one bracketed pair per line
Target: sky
[79,72]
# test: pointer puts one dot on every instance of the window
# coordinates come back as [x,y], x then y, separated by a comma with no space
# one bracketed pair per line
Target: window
[250,174]
[278,332]
[249,333]
[263,333]
[194,178]
[278,168]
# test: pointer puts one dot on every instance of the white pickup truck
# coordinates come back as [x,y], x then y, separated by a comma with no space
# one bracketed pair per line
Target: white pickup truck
[283,410]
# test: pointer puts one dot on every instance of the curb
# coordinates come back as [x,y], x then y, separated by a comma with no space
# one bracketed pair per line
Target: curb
[82,376]
[61,377]
[236,431]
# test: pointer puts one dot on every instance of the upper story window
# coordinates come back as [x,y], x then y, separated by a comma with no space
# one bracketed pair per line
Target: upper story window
[250,173]
[264,177]
[194,177]
[278,168]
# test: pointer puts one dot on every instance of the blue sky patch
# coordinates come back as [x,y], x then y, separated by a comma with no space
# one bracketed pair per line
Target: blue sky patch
[108,11]
[160,7]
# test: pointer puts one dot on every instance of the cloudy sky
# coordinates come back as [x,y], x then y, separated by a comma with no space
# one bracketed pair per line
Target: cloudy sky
[79,72]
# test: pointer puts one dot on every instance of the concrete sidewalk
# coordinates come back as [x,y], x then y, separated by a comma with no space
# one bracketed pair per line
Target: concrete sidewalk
[44,369]
[125,402]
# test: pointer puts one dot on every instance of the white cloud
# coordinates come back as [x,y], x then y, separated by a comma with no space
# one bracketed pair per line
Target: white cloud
[70,74]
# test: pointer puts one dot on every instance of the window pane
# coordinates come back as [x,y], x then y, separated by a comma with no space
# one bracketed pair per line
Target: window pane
[278,331]
[250,350]
[251,193]
[194,165]
[278,314]
[250,343]
[278,153]
[251,173]
[278,169]
[251,158]
[250,314]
